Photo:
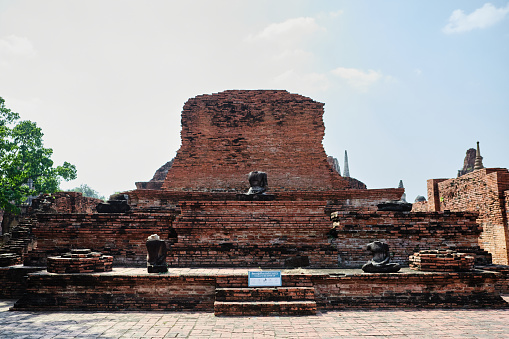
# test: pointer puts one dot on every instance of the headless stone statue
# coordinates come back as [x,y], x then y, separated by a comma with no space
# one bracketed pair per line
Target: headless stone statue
[395,205]
[381,259]
[258,182]
[116,204]
[156,255]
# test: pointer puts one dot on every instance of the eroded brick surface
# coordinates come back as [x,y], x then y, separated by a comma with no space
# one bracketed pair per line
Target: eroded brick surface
[122,236]
[405,233]
[134,289]
[65,202]
[441,261]
[485,192]
[239,233]
[229,134]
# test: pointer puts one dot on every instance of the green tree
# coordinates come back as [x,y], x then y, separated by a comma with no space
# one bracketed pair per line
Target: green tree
[87,191]
[26,168]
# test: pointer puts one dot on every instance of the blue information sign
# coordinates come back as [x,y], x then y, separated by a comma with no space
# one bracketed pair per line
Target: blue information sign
[264,278]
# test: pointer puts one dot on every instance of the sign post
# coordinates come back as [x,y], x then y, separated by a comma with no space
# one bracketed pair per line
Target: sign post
[264,278]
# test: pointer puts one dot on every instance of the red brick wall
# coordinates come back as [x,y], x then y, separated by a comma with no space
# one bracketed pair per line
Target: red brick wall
[482,191]
[13,282]
[141,291]
[502,284]
[355,199]
[229,134]
[506,199]
[404,290]
[405,233]
[433,196]
[118,292]
[420,206]
[68,202]
[251,234]
[121,235]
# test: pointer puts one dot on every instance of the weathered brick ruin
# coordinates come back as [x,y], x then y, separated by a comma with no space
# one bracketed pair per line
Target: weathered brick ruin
[229,134]
[468,163]
[441,261]
[80,261]
[484,191]
[405,233]
[198,212]
[64,202]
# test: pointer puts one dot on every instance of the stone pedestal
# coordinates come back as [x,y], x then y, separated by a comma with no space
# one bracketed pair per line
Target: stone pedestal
[156,257]
[441,261]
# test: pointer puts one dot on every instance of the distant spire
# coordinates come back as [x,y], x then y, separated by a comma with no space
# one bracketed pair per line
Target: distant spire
[400,185]
[478,159]
[346,170]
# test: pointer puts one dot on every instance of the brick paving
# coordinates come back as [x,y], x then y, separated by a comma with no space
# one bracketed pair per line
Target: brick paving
[438,323]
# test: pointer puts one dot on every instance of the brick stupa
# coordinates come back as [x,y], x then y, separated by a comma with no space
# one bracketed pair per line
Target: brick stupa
[229,134]
[198,213]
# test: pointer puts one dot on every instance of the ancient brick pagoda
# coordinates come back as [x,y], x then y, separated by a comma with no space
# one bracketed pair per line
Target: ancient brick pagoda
[196,209]
[227,135]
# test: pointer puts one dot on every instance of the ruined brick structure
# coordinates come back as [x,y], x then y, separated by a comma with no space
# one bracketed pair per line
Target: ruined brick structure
[157,180]
[121,235]
[80,261]
[64,202]
[187,291]
[483,191]
[229,134]
[405,233]
[441,261]
[468,163]
[224,137]
[197,211]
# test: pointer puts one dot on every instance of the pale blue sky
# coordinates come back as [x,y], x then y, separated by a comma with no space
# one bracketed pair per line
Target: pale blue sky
[408,86]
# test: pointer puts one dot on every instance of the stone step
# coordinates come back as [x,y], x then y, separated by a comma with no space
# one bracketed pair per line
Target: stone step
[265,294]
[264,308]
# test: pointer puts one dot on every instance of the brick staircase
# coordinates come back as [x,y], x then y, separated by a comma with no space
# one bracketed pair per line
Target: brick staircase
[20,243]
[255,301]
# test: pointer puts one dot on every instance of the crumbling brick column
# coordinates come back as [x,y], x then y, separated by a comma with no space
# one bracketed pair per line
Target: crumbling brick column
[229,134]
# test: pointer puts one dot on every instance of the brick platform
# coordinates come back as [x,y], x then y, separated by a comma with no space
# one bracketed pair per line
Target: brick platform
[10,259]
[80,261]
[441,261]
[404,232]
[197,289]
[13,280]
[251,234]
[265,301]
[121,235]
[502,284]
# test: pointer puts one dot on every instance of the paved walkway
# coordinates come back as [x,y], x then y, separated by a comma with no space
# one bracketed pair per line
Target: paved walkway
[347,324]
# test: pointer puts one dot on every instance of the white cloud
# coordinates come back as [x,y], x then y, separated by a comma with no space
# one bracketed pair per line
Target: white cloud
[293,54]
[290,30]
[358,79]
[335,14]
[283,51]
[309,83]
[17,46]
[483,17]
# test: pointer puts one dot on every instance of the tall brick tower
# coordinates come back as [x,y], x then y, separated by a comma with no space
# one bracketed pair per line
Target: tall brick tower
[229,134]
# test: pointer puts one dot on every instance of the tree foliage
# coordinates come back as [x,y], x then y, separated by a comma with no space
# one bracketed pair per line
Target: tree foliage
[24,159]
[87,191]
